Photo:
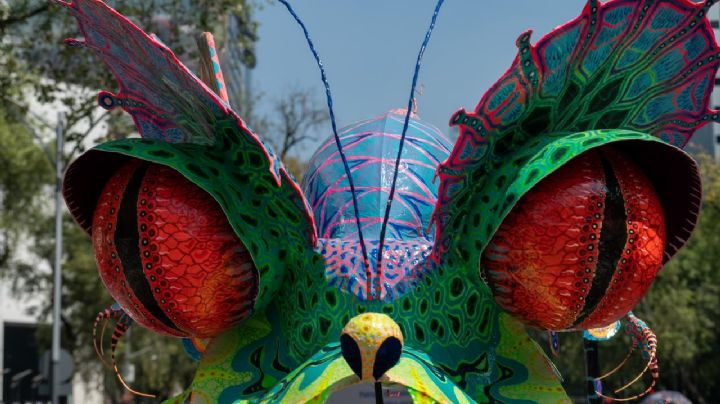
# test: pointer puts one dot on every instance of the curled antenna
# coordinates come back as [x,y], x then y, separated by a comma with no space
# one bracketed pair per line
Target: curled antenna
[112,312]
[102,316]
[122,326]
[411,102]
[644,338]
[622,363]
[338,143]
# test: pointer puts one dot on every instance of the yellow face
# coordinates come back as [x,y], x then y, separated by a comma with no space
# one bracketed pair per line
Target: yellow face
[371,344]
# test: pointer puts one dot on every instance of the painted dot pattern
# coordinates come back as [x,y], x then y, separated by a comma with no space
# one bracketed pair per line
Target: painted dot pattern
[542,260]
[563,259]
[642,254]
[110,265]
[199,273]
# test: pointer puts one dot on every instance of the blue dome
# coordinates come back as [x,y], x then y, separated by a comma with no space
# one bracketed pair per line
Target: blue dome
[371,148]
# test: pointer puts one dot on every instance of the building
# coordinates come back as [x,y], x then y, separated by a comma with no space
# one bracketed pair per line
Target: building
[707,139]
[16,328]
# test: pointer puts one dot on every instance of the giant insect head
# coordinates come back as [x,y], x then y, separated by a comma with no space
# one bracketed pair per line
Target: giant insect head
[563,195]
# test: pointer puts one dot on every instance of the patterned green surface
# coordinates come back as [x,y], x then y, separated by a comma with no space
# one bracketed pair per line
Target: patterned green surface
[463,335]
[498,184]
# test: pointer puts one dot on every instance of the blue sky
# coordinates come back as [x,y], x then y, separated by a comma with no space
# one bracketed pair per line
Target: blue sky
[369,49]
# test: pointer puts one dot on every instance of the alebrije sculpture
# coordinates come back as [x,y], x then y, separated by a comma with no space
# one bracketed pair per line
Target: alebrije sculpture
[373,272]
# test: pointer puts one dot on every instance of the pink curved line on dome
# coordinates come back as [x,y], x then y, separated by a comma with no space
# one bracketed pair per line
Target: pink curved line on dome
[374,160]
[374,220]
[390,114]
[429,199]
[340,212]
[368,222]
[323,206]
[423,127]
[355,125]
[342,135]
[429,142]
[415,195]
[369,161]
[402,201]
[361,142]
[419,182]
[334,158]
[417,220]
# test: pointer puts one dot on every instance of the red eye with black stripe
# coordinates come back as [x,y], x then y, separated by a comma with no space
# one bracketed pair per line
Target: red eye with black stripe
[168,255]
[580,249]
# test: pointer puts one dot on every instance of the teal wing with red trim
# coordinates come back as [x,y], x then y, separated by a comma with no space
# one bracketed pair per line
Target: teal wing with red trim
[640,65]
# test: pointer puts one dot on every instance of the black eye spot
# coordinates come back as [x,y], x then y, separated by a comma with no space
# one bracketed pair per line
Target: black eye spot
[387,356]
[351,353]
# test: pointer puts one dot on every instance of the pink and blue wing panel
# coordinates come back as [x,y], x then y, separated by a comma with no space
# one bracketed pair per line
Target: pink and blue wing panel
[371,147]
[166,100]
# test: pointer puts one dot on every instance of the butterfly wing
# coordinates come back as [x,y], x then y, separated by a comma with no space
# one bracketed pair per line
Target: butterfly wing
[646,66]
[624,70]
[166,100]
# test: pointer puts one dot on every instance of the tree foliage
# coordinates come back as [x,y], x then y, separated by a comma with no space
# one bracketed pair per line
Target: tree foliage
[24,170]
[684,303]
[35,64]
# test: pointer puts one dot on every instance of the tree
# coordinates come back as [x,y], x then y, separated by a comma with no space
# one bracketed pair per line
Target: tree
[298,114]
[35,62]
[684,304]
[24,170]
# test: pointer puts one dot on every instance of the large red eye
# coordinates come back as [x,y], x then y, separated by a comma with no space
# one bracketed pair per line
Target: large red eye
[168,255]
[581,248]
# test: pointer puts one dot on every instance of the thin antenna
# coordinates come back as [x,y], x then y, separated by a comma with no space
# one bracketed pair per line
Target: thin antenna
[411,102]
[122,326]
[337,142]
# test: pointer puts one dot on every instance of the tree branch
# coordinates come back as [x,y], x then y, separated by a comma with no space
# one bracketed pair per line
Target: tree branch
[298,114]
[14,19]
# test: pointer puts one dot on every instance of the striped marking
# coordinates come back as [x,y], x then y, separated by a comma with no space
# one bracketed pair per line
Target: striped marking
[127,240]
[613,237]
